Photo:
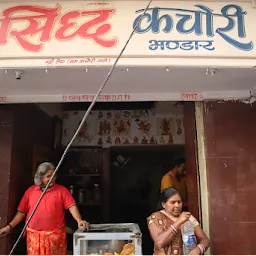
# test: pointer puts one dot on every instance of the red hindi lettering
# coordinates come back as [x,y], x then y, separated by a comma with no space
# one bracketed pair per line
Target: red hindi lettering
[49,61]
[107,97]
[71,61]
[48,15]
[3,99]
[84,97]
[85,30]
[66,25]
[75,97]
[104,98]
[184,96]
[91,60]
[189,96]
[194,96]
[127,97]
[60,61]
[120,97]
[114,97]
[102,60]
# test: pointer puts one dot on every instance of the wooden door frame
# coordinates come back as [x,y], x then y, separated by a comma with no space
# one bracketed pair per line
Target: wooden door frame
[191,159]
[198,200]
[202,170]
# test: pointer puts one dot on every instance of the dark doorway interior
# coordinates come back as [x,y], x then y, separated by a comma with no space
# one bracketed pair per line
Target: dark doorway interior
[135,187]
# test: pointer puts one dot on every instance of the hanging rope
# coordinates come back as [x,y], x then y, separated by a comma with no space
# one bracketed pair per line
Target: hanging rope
[79,127]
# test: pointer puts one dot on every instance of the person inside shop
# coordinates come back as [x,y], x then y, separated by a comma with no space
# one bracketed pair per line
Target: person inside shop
[176,178]
[165,226]
[46,232]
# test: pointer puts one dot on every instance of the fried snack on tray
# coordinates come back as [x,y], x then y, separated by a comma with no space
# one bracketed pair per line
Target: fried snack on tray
[128,250]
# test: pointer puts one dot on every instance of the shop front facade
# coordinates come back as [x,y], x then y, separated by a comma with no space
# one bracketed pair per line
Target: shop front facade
[199,53]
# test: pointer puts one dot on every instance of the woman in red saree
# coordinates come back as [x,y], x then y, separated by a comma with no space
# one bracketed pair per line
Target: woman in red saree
[165,226]
[46,232]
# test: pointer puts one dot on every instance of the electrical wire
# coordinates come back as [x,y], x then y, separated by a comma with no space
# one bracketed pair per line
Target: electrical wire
[79,127]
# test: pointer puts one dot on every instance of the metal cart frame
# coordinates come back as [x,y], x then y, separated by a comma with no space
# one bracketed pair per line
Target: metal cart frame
[135,235]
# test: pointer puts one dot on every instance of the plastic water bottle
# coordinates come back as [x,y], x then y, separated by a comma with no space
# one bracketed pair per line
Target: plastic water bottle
[188,237]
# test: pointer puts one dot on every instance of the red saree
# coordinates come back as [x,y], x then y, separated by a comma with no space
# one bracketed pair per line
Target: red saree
[46,242]
[163,222]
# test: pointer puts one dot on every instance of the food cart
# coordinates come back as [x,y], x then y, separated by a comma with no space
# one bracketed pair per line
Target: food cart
[108,239]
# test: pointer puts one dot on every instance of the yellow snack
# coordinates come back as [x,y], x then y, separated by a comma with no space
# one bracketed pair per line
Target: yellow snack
[128,249]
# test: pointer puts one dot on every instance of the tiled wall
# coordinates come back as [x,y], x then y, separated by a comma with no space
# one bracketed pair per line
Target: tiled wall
[230,131]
